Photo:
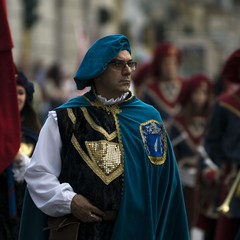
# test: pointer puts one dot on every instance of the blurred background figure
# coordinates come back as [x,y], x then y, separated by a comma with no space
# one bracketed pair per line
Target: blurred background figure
[52,89]
[187,131]
[53,85]
[163,86]
[12,182]
[142,77]
[223,146]
[30,124]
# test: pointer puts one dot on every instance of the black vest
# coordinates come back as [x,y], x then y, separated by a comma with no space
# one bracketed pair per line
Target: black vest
[91,155]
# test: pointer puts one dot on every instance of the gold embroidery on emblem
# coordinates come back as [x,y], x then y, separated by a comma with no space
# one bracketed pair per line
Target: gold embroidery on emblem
[155,141]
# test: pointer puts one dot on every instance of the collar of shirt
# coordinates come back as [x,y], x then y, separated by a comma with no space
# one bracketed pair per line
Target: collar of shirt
[112,101]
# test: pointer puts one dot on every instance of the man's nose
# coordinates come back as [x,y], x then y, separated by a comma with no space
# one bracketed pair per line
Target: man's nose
[127,69]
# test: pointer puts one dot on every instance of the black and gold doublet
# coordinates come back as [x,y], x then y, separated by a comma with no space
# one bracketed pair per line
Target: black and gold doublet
[92,159]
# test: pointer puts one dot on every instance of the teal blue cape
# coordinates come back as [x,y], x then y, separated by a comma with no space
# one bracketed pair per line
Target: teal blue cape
[152,206]
[33,221]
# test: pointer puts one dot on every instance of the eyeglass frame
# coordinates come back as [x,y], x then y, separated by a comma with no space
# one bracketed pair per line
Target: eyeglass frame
[123,64]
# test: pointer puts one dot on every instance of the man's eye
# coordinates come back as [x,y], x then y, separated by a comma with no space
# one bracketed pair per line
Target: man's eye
[118,64]
[130,64]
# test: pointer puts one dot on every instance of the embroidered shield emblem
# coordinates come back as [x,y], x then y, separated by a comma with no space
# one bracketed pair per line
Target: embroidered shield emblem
[154,140]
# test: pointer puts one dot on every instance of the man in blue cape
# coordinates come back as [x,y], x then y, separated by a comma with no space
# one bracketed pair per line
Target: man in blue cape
[104,167]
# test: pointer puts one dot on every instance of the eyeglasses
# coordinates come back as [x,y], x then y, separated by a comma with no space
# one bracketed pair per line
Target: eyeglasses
[120,64]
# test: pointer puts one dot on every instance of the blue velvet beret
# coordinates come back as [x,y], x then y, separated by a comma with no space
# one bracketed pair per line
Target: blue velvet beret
[98,56]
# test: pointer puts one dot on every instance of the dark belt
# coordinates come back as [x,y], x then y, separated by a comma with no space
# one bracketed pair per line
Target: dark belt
[66,227]
[69,219]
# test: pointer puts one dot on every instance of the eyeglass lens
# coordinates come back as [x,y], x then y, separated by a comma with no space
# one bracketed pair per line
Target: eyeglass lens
[120,64]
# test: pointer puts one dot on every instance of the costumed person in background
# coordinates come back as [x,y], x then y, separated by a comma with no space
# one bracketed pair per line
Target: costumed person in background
[13,178]
[222,86]
[142,77]
[52,89]
[186,131]
[101,168]
[223,146]
[53,85]
[165,86]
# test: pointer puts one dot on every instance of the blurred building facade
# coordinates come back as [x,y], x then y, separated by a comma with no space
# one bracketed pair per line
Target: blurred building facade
[207,31]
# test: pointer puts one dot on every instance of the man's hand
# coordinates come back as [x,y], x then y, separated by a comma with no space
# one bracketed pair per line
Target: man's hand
[83,210]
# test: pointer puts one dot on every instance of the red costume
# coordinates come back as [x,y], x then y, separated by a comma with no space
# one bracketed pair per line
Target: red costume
[161,92]
[187,131]
[222,144]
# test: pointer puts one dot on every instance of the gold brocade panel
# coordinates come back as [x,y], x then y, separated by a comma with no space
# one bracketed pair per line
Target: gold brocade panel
[104,156]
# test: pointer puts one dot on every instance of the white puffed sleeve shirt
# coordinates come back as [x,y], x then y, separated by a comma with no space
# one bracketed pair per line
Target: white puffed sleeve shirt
[49,195]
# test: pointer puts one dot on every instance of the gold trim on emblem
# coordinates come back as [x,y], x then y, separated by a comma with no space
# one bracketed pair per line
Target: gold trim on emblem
[153,159]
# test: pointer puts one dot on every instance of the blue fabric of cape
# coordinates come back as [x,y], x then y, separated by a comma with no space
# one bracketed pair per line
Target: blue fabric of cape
[152,206]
